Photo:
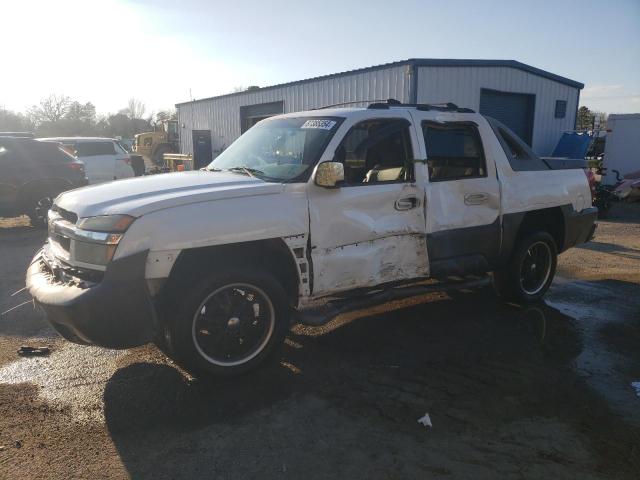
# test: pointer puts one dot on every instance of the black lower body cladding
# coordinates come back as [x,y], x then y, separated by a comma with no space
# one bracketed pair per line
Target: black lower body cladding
[579,227]
[117,312]
[471,250]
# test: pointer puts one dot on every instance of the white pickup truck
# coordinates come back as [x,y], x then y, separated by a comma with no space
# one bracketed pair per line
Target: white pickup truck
[336,204]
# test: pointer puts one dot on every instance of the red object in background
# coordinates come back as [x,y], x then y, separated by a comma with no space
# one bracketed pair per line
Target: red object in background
[591,178]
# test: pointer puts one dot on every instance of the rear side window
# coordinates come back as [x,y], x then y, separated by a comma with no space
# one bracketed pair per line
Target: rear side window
[120,146]
[512,147]
[454,151]
[55,154]
[91,149]
[519,155]
[42,153]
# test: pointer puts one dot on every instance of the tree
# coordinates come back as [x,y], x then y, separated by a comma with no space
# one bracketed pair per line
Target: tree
[81,113]
[14,122]
[585,119]
[135,108]
[58,115]
[602,117]
[120,125]
[163,115]
[50,109]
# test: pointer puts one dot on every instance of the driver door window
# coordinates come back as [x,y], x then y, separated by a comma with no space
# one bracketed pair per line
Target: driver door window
[377,151]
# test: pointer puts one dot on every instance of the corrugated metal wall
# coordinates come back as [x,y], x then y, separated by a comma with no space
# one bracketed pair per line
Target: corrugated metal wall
[435,84]
[222,115]
[461,85]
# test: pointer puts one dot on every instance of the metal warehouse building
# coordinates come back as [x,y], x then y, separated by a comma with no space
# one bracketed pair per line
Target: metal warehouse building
[536,104]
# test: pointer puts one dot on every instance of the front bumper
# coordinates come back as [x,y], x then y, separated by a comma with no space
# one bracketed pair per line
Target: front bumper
[116,312]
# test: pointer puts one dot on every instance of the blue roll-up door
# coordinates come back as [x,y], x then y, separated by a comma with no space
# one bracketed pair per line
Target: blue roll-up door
[515,110]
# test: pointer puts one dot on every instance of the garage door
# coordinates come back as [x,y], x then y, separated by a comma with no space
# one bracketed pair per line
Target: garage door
[252,114]
[515,110]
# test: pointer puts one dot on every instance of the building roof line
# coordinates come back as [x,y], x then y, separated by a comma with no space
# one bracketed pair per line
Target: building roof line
[418,62]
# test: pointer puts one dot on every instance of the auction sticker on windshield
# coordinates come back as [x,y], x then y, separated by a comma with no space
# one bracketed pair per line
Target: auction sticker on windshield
[322,124]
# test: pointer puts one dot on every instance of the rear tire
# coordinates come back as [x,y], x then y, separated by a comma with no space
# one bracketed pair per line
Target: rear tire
[229,323]
[530,270]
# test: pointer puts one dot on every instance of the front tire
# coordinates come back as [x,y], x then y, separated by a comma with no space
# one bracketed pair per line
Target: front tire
[530,271]
[230,323]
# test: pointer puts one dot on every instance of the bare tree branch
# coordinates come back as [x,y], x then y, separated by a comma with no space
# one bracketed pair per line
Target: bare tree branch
[135,108]
[51,109]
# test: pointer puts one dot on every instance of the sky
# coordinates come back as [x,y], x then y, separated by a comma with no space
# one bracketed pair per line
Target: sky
[166,51]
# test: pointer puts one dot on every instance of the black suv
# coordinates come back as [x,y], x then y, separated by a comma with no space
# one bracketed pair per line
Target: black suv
[32,174]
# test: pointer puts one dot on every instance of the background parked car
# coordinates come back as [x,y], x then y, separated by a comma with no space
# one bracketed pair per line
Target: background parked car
[105,159]
[32,174]
[17,134]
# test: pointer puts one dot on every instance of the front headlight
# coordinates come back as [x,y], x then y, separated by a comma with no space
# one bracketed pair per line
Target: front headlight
[106,223]
[96,238]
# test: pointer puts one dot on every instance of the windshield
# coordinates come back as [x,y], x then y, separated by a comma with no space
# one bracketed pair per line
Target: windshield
[278,150]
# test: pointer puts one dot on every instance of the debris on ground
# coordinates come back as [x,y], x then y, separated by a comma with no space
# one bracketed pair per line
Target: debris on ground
[16,444]
[17,306]
[636,387]
[426,420]
[18,291]
[27,351]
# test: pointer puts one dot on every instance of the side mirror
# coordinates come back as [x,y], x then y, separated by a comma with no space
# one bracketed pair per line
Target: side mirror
[329,174]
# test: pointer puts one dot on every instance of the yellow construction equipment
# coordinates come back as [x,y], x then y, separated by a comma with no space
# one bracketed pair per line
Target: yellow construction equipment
[153,145]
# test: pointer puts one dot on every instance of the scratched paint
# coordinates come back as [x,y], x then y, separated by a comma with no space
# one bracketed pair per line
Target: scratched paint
[371,263]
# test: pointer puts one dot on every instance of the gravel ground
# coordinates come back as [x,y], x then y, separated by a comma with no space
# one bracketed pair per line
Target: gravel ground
[512,392]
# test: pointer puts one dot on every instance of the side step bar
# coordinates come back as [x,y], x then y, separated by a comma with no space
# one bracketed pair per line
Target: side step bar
[316,316]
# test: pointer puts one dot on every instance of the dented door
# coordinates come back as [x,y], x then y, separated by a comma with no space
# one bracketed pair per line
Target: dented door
[463,193]
[369,232]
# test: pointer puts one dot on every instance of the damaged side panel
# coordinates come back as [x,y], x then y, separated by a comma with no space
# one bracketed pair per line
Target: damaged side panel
[298,246]
[371,263]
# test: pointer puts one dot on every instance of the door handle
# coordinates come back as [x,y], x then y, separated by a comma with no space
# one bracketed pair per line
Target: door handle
[475,198]
[406,203]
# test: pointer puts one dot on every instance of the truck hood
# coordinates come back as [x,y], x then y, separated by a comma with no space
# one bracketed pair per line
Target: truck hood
[142,195]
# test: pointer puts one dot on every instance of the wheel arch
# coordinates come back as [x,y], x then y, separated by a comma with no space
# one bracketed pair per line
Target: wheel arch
[273,255]
[551,220]
[516,226]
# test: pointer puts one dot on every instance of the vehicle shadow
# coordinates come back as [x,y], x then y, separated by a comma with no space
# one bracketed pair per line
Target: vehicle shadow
[612,248]
[341,399]
[623,213]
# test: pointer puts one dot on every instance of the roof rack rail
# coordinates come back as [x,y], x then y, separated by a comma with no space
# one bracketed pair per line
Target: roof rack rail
[440,107]
[349,103]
